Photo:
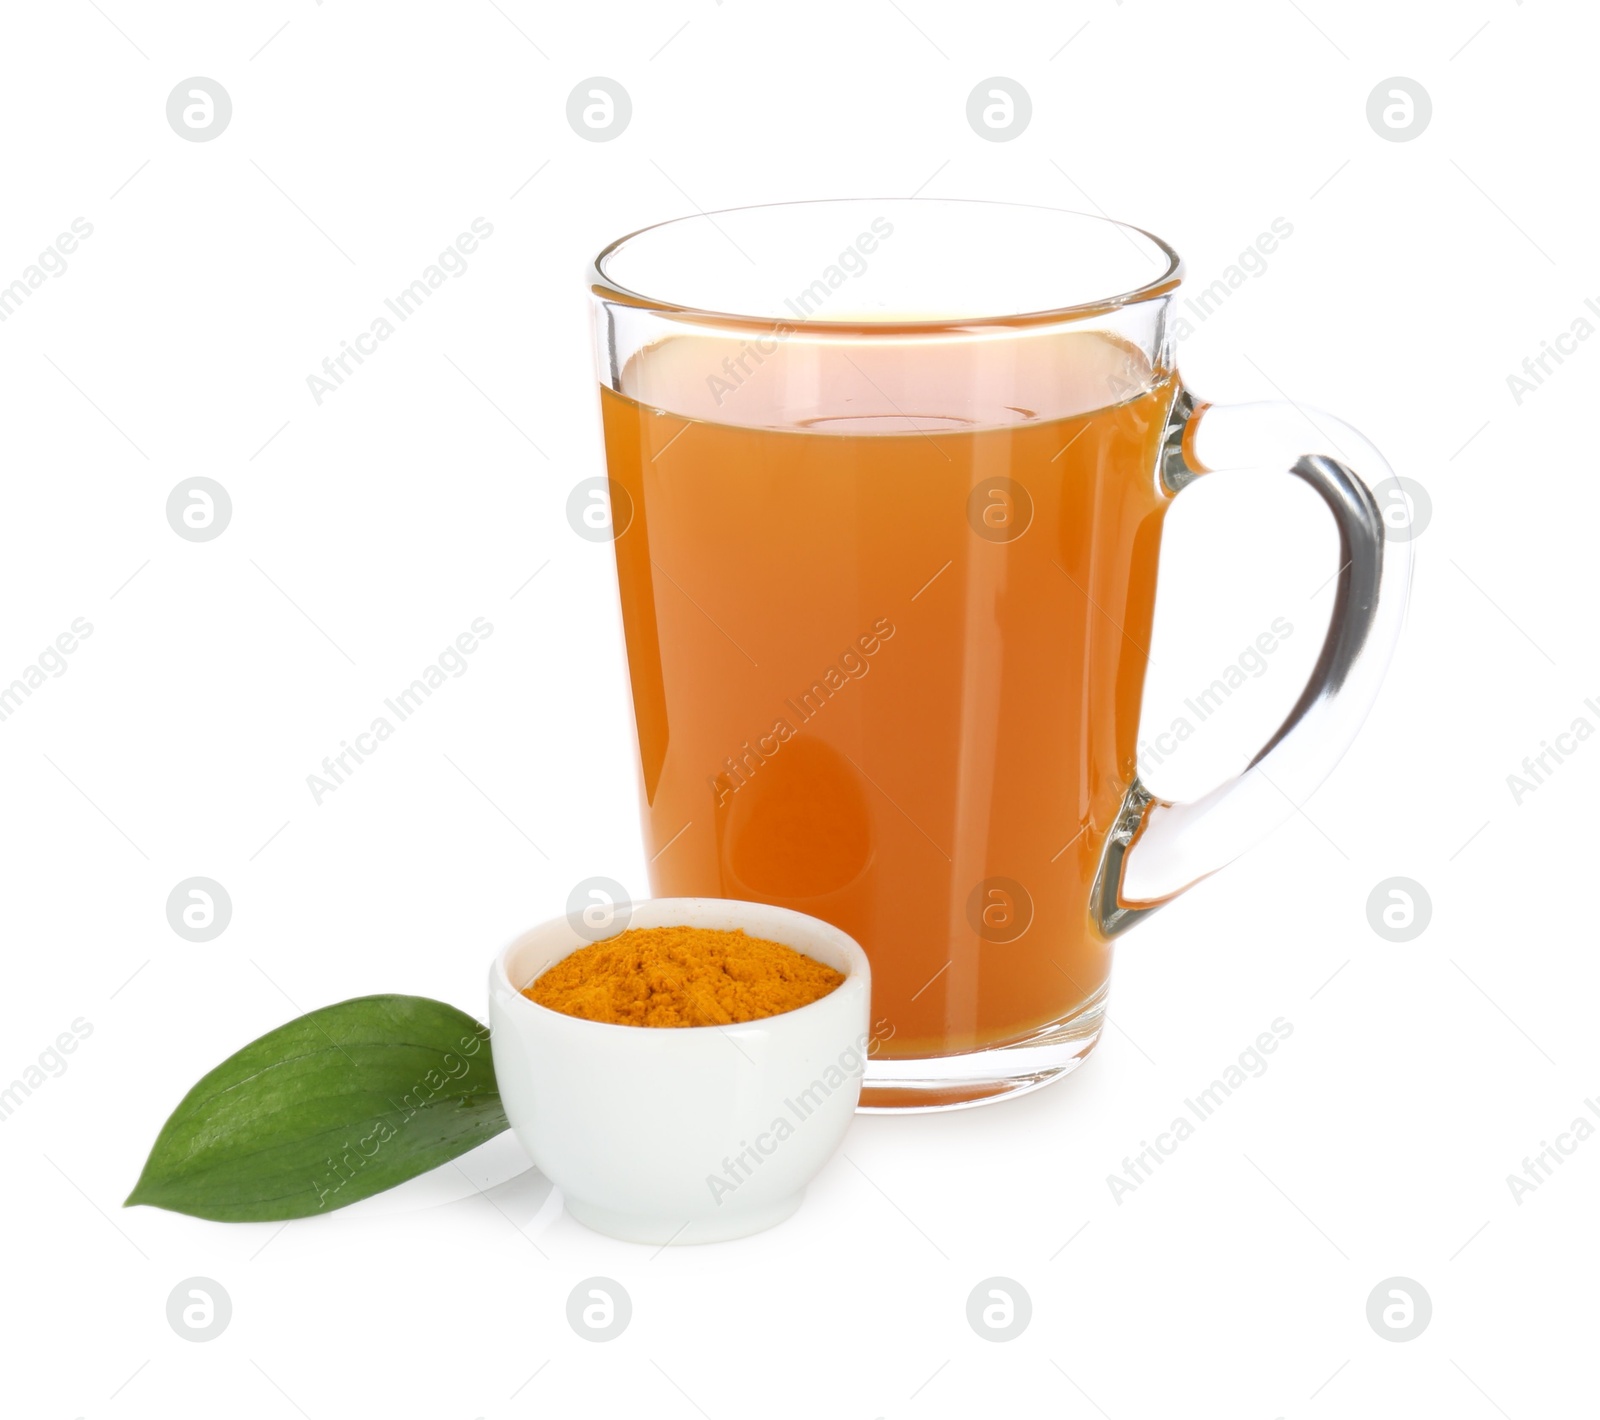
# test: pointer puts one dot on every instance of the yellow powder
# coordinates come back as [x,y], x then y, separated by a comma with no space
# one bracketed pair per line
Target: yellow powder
[682,976]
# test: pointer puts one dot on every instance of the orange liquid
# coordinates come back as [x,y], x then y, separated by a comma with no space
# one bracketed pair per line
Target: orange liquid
[859,691]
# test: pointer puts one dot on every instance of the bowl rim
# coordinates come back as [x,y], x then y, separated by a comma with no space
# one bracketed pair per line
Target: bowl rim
[859,968]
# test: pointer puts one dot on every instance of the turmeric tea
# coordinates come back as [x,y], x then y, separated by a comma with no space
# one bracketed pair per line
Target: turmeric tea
[682,976]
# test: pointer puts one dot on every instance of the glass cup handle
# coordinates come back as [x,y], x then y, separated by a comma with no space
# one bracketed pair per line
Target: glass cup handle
[1156,849]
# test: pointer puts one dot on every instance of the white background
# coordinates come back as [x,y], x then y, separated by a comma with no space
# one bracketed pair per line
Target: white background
[369,531]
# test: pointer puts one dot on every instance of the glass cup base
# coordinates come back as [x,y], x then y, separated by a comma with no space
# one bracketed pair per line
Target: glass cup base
[919,1084]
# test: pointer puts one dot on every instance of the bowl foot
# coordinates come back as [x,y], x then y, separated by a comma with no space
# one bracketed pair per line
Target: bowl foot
[731,1221]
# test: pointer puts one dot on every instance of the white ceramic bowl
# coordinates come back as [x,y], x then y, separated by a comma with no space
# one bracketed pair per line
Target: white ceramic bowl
[682,1134]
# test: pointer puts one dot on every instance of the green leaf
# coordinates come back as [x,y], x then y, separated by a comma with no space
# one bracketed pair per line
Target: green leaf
[327,1110]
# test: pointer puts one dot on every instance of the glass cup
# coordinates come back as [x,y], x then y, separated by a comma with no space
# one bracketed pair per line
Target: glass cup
[886,484]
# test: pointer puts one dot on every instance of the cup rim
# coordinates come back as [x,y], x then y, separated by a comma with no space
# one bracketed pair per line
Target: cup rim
[604,288]
[857,968]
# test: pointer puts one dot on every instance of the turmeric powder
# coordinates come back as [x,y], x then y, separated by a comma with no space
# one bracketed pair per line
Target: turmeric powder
[682,976]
